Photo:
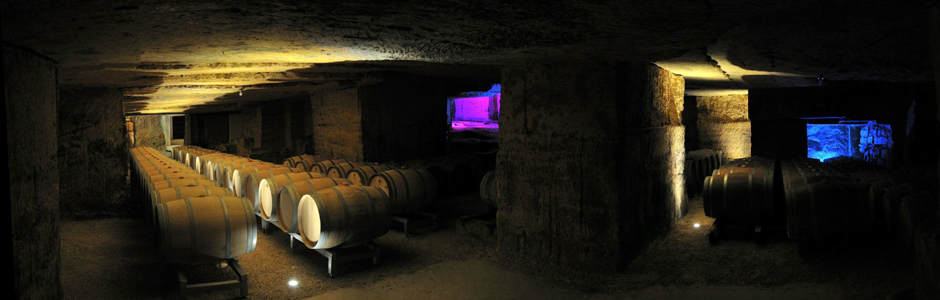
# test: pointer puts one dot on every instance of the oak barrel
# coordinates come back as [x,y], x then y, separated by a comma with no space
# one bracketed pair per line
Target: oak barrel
[343,216]
[206,230]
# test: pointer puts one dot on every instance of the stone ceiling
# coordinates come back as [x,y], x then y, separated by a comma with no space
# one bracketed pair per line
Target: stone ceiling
[172,56]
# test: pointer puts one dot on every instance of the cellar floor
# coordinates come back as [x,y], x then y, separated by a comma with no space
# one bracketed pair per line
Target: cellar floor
[117,259]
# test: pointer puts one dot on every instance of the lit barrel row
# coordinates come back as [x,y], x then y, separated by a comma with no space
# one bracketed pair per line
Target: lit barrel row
[325,201]
[198,221]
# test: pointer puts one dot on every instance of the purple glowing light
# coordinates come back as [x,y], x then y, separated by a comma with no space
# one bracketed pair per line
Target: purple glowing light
[472,109]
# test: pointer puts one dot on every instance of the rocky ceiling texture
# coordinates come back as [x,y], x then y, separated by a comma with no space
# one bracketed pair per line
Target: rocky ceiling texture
[173,56]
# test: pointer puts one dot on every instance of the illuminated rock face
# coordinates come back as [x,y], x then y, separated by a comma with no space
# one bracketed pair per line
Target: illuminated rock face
[604,145]
[723,124]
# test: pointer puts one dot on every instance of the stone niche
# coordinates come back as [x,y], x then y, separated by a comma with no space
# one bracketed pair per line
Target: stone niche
[590,162]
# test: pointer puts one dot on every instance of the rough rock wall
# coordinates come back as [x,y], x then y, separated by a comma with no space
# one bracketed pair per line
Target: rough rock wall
[578,143]
[337,124]
[723,125]
[927,243]
[652,184]
[245,126]
[275,125]
[149,131]
[29,91]
[404,117]
[93,162]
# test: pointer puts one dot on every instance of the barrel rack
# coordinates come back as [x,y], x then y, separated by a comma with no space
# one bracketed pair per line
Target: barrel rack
[335,255]
[241,283]
[418,219]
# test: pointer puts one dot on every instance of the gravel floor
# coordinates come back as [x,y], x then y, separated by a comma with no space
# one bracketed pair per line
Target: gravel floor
[117,259]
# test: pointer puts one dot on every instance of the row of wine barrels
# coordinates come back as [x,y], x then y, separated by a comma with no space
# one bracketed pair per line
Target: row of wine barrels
[324,165]
[825,209]
[269,187]
[228,171]
[699,164]
[361,175]
[342,216]
[199,222]
[288,197]
[240,176]
[341,170]
[252,182]
[303,162]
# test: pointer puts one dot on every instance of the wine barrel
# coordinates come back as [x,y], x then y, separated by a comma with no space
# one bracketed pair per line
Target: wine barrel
[340,170]
[361,175]
[323,165]
[304,162]
[451,175]
[159,185]
[343,216]
[826,209]
[206,230]
[488,192]
[757,170]
[199,164]
[250,188]
[240,176]
[740,197]
[175,193]
[218,167]
[912,212]
[289,197]
[268,188]
[408,189]
[165,177]
[891,201]
[228,172]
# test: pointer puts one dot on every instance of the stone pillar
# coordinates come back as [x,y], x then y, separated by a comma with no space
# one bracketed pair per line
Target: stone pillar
[400,118]
[927,241]
[93,161]
[29,91]
[590,162]
[723,125]
[337,123]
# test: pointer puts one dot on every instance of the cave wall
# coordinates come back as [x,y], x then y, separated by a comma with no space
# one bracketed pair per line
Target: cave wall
[29,93]
[149,131]
[778,131]
[245,127]
[337,124]
[208,130]
[605,144]
[927,241]
[404,117]
[723,124]
[93,162]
